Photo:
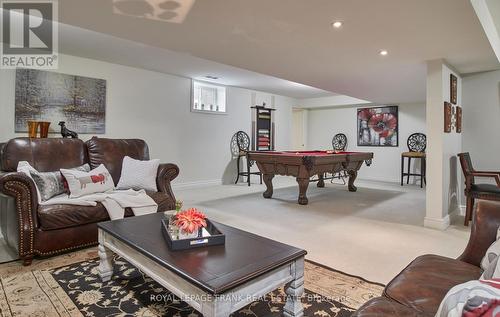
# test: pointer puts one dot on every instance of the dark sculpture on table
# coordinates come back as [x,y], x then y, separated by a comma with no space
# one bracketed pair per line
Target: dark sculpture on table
[65,132]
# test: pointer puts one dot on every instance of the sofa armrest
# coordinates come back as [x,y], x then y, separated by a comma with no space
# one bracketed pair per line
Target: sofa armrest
[23,189]
[166,174]
[483,231]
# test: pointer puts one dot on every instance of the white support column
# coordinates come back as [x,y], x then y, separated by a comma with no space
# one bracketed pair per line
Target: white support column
[442,189]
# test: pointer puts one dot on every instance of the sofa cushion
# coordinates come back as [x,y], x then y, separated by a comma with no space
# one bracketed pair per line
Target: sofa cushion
[64,216]
[383,306]
[423,284]
[81,183]
[492,254]
[485,188]
[50,184]
[472,298]
[40,153]
[111,152]
[137,174]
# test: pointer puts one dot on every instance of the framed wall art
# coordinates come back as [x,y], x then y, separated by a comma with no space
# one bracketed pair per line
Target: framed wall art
[453,89]
[53,97]
[378,126]
[458,119]
[447,116]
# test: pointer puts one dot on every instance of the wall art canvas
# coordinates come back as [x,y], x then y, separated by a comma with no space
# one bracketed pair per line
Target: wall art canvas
[448,116]
[50,96]
[453,89]
[378,126]
[458,119]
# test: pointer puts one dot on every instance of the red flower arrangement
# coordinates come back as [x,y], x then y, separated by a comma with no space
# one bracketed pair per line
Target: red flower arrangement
[190,220]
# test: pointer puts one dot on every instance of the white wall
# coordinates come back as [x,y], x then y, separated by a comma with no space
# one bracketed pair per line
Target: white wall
[481,117]
[156,107]
[323,124]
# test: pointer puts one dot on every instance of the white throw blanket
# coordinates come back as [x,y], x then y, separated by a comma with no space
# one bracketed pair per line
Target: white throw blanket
[114,201]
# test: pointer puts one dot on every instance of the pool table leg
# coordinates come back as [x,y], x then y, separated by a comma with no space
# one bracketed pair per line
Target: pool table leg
[268,180]
[352,177]
[303,184]
[321,181]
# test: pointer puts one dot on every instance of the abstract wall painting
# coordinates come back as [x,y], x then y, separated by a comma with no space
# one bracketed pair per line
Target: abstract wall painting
[378,126]
[458,124]
[448,116]
[453,89]
[50,96]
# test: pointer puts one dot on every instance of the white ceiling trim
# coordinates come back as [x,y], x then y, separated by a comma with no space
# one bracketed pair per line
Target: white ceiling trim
[487,18]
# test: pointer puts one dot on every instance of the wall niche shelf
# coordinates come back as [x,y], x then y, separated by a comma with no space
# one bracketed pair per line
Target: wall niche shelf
[263,128]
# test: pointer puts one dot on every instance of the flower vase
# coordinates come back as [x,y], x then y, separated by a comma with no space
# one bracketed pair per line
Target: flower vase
[33,128]
[44,129]
[185,235]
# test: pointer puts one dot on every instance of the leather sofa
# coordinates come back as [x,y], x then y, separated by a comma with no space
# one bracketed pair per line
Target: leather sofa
[45,230]
[421,286]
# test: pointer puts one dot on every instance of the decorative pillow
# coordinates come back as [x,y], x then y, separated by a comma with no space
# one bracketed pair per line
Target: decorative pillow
[48,184]
[493,271]
[80,183]
[473,298]
[492,253]
[138,174]
[51,184]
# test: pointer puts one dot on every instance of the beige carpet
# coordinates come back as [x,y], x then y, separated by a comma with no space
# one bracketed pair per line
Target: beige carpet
[42,289]
[373,233]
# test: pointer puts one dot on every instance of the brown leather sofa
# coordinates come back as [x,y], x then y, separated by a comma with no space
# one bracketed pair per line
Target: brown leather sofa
[421,286]
[47,230]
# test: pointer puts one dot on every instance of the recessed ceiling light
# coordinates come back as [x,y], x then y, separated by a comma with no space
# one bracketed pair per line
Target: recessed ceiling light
[211,77]
[384,52]
[337,24]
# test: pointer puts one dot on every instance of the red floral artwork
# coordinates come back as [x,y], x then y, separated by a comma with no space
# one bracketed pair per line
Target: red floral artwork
[383,123]
[365,114]
[378,126]
[190,220]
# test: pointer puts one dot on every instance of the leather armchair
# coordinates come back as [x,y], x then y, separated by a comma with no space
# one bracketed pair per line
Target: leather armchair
[421,286]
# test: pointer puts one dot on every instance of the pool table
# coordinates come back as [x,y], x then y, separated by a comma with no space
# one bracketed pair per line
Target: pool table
[304,165]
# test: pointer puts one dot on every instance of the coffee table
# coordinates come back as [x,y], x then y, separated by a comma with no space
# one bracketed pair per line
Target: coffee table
[215,280]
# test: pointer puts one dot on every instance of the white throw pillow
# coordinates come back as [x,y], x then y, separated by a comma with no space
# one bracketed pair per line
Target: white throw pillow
[26,168]
[138,174]
[493,271]
[80,183]
[492,253]
[47,184]
[474,298]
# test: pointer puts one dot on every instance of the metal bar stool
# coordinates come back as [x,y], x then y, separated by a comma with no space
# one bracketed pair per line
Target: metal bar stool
[417,142]
[339,144]
[240,145]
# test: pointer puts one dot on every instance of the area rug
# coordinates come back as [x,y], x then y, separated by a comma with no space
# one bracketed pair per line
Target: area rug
[75,289]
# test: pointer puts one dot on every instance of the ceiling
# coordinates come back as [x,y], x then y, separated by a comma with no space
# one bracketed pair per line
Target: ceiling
[81,42]
[293,40]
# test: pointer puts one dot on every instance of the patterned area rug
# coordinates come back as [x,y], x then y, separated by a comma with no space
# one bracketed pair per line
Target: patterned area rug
[70,286]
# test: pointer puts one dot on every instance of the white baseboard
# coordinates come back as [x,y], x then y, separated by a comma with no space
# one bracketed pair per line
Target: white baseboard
[462,209]
[388,180]
[375,179]
[197,184]
[456,214]
[437,223]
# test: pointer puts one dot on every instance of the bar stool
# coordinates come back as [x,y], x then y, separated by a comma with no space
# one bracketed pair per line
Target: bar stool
[339,144]
[240,146]
[417,142]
